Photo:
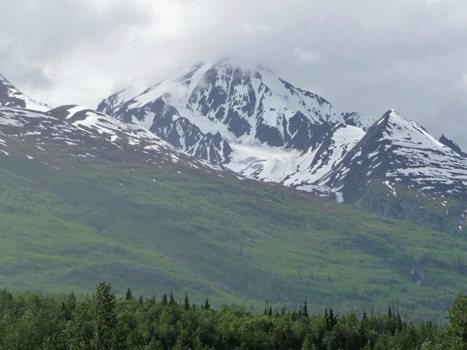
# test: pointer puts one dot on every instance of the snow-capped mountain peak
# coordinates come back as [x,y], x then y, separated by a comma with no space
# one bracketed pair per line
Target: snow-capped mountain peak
[403,152]
[404,132]
[252,121]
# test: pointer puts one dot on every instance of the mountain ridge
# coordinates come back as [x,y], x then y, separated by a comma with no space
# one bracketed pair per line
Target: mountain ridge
[282,133]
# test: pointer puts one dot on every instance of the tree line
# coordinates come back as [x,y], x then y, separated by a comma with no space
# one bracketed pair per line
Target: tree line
[30,320]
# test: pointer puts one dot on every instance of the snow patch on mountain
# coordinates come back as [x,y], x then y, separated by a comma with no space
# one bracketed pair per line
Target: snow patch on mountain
[404,133]
[73,110]
[263,162]
[316,163]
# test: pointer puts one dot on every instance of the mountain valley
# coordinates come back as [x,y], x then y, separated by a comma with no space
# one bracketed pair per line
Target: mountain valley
[159,192]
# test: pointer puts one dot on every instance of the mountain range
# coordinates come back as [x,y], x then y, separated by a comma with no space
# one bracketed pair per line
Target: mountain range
[262,127]
[159,190]
[254,123]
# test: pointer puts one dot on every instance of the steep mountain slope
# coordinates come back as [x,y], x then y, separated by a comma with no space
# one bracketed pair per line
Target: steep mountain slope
[85,197]
[447,142]
[254,123]
[11,97]
[402,157]
[401,151]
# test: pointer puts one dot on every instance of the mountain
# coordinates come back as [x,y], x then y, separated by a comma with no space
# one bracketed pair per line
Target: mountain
[254,123]
[262,127]
[11,97]
[85,197]
[397,169]
[74,126]
[400,151]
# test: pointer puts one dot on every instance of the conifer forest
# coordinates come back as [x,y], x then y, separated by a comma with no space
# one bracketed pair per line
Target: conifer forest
[31,320]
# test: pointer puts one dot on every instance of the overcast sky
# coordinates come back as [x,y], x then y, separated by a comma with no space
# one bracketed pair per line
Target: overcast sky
[361,55]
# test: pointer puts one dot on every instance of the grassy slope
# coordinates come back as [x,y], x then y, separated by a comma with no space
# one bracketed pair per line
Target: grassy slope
[158,226]
[439,213]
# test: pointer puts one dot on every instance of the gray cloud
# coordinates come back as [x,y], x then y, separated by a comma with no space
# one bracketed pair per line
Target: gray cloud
[365,56]
[36,35]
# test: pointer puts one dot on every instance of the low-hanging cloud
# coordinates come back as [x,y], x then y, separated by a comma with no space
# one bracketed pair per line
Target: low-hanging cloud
[360,55]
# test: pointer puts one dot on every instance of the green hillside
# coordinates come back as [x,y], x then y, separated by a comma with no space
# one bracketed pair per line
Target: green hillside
[439,213]
[145,222]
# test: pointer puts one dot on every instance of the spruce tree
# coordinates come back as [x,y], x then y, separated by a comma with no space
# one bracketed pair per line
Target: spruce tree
[128,295]
[332,319]
[105,319]
[305,311]
[172,300]
[326,317]
[399,325]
